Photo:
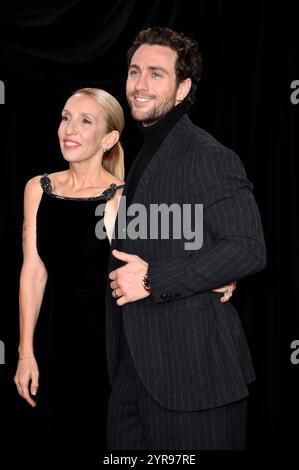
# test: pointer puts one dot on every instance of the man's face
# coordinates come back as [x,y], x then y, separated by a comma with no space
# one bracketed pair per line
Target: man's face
[151,84]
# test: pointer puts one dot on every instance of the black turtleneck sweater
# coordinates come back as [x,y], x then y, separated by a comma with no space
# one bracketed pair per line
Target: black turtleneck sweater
[153,137]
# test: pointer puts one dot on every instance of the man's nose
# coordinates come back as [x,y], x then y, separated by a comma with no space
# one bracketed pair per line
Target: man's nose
[142,82]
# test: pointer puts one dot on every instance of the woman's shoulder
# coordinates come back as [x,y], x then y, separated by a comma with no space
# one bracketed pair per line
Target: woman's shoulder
[118,188]
[36,181]
[34,184]
[116,181]
[37,184]
[115,188]
[52,180]
[33,192]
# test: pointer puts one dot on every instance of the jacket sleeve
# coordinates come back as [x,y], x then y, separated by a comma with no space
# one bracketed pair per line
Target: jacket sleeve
[231,214]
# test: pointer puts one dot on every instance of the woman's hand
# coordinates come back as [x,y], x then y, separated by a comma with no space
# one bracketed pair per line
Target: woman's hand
[227,290]
[26,378]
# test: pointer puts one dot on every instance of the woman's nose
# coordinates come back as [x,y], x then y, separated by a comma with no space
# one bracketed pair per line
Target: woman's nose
[71,127]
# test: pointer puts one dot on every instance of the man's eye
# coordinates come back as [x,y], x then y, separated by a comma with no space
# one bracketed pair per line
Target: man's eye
[133,72]
[64,118]
[156,75]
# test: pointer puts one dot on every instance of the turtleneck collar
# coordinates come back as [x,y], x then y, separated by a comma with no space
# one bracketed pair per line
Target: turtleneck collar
[156,133]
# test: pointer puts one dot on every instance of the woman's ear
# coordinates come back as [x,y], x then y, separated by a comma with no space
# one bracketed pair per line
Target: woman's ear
[111,139]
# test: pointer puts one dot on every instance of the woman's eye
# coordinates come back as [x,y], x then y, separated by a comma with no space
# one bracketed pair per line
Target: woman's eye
[86,121]
[64,118]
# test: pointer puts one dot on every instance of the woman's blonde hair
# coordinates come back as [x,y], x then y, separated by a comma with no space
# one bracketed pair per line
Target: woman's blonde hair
[113,159]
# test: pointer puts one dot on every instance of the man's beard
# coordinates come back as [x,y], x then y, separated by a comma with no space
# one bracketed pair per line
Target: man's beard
[155,114]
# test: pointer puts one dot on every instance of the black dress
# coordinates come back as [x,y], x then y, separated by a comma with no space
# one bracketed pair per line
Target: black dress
[77,262]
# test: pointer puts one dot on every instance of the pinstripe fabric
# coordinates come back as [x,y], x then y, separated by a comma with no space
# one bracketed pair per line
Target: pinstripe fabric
[188,348]
[137,422]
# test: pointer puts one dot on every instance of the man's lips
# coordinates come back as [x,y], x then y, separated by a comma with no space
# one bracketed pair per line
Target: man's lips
[140,101]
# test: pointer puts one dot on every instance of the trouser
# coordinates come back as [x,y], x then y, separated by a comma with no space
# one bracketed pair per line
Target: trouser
[136,421]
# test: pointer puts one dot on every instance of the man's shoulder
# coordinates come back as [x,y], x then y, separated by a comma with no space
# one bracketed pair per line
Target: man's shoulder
[197,138]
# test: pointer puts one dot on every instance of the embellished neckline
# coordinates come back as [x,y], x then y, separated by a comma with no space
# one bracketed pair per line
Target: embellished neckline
[106,195]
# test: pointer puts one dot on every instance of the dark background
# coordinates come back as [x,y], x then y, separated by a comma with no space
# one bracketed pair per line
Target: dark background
[250,49]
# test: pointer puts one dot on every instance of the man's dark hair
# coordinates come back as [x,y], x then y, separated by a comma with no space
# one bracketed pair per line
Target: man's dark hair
[189,59]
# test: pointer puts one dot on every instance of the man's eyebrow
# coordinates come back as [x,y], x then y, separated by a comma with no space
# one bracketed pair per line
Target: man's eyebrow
[161,69]
[150,67]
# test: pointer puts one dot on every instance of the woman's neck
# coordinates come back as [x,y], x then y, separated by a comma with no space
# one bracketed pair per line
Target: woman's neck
[79,178]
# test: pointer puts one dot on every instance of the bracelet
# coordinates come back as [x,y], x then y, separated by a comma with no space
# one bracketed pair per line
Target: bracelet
[25,357]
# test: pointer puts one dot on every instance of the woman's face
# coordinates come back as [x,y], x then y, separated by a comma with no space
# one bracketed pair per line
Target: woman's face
[82,129]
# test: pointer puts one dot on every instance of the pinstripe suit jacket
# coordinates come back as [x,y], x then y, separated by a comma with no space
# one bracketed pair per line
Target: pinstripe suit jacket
[189,349]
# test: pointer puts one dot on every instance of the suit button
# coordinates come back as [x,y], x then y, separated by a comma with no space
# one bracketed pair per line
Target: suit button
[163,296]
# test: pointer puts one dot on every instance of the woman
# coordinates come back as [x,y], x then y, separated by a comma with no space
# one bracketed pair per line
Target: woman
[60,247]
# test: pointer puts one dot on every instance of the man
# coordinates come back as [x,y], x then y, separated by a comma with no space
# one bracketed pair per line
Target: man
[178,358]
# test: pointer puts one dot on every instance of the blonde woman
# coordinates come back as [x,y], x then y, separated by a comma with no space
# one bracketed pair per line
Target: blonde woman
[60,246]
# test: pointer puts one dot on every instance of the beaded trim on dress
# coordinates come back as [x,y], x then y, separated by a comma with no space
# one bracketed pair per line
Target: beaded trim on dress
[106,195]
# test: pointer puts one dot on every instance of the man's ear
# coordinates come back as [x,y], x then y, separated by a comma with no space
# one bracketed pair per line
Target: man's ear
[183,90]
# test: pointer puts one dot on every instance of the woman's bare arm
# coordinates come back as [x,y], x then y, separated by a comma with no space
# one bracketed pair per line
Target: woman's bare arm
[33,279]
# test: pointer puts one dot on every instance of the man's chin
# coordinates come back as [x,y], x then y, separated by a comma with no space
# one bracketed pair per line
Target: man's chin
[138,115]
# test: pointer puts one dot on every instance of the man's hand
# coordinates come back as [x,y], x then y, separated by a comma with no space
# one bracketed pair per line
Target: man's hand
[127,280]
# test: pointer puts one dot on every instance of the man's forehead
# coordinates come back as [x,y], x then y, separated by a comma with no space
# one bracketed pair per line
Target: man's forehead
[153,55]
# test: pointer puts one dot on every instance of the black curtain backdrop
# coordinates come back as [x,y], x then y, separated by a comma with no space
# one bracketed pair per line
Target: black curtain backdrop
[250,49]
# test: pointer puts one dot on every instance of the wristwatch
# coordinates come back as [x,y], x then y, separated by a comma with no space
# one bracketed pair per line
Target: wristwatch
[145,282]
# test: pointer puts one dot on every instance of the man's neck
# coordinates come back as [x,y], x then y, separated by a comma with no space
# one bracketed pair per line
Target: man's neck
[158,130]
